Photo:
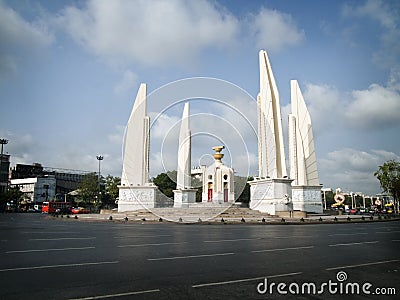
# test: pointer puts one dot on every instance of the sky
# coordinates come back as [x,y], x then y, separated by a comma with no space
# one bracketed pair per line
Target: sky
[70,71]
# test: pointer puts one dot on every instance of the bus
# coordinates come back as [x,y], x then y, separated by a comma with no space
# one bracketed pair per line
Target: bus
[56,207]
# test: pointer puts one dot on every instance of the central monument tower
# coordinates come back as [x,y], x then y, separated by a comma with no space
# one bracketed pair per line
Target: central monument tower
[271,191]
[135,191]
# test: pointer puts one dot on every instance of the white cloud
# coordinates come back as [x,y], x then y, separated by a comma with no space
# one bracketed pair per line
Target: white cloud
[385,13]
[324,105]
[352,169]
[274,30]
[150,32]
[127,84]
[375,9]
[19,38]
[374,108]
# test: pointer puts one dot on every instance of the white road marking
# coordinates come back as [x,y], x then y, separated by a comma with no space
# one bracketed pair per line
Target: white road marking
[293,237]
[395,240]
[243,280]
[282,249]
[232,240]
[59,266]
[387,232]
[141,236]
[352,244]
[362,265]
[348,233]
[48,232]
[48,250]
[118,295]
[144,245]
[65,238]
[191,256]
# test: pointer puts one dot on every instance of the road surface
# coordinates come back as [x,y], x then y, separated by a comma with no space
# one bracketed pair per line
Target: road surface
[54,258]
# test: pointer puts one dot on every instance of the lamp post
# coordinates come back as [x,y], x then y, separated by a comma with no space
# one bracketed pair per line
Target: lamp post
[2,142]
[99,158]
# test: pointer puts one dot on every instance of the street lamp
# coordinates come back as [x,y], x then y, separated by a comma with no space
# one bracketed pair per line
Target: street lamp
[2,142]
[99,158]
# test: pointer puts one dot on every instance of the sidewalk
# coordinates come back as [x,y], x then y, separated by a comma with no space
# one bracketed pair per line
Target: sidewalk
[230,216]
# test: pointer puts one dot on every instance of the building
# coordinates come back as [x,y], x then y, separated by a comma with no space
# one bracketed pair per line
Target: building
[4,172]
[38,189]
[66,180]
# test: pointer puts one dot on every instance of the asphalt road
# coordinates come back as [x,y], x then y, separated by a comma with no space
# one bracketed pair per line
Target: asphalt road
[44,258]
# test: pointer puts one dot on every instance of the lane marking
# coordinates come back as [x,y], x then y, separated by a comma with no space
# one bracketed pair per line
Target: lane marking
[67,238]
[48,250]
[48,232]
[387,232]
[395,240]
[144,245]
[293,237]
[352,244]
[191,256]
[140,236]
[117,295]
[282,249]
[363,265]
[348,233]
[243,280]
[60,266]
[233,240]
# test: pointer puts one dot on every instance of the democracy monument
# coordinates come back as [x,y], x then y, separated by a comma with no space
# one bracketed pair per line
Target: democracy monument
[273,191]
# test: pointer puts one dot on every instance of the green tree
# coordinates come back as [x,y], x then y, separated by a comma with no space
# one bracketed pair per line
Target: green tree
[166,183]
[89,189]
[242,186]
[12,194]
[111,190]
[389,178]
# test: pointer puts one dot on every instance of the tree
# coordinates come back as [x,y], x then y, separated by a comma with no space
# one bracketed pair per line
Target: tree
[89,189]
[242,185]
[111,191]
[389,178]
[166,183]
[12,194]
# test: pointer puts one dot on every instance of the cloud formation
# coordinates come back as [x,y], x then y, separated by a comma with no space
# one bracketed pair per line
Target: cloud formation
[375,108]
[20,39]
[170,33]
[351,167]
[274,30]
[149,32]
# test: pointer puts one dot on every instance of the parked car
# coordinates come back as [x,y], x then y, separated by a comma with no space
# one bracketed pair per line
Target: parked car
[79,210]
[353,211]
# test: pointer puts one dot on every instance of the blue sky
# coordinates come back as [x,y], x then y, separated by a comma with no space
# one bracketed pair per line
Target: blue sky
[70,70]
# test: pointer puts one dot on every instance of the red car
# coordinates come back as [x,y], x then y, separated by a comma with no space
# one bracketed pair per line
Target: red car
[353,211]
[79,210]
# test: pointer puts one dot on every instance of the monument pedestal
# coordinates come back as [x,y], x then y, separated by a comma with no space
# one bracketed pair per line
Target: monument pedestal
[183,198]
[271,195]
[136,197]
[307,198]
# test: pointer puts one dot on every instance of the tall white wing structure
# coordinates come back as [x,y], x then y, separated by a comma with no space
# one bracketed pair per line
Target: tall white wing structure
[135,168]
[271,151]
[303,162]
[184,180]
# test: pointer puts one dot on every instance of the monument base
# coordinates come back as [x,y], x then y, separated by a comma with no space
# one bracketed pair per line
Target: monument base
[136,197]
[271,195]
[183,198]
[307,198]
